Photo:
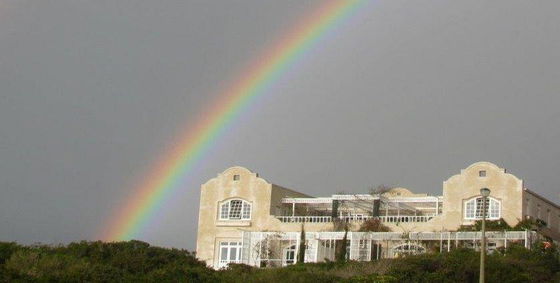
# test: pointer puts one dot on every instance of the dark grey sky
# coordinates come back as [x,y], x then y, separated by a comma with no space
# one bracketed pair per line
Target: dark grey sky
[405,93]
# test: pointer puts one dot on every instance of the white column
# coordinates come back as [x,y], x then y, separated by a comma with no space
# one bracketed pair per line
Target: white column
[243,247]
[448,241]
[315,245]
[297,250]
[351,254]
[440,242]
[259,259]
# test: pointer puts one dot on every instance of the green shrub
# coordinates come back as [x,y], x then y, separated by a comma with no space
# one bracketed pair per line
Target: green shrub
[136,261]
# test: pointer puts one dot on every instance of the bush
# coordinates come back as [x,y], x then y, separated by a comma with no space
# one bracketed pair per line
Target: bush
[491,225]
[100,262]
[373,225]
[136,261]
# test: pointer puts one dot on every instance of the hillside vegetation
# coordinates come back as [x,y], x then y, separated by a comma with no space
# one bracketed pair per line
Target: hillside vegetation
[136,261]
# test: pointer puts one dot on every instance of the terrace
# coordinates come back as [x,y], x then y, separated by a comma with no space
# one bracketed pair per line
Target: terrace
[359,208]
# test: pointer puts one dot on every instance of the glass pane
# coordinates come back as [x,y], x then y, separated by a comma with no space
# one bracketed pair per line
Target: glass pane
[235,209]
[224,211]
[246,211]
[223,253]
[494,209]
[232,253]
[470,209]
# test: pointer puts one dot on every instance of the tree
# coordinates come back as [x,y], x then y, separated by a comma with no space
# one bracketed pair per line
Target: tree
[529,224]
[379,190]
[373,225]
[6,251]
[340,252]
[301,250]
[491,225]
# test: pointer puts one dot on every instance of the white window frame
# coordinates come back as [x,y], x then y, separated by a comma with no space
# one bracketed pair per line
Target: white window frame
[242,207]
[230,252]
[473,209]
[289,256]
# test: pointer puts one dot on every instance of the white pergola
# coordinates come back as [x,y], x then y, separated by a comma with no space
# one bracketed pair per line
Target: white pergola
[417,205]
[267,247]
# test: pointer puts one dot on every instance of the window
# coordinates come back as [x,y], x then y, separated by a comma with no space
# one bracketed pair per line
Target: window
[491,246]
[230,252]
[529,212]
[408,249]
[474,208]
[482,173]
[236,177]
[235,209]
[548,218]
[289,255]
[363,250]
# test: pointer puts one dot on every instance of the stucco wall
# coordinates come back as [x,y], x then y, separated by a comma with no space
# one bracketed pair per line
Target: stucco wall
[211,230]
[537,207]
[459,188]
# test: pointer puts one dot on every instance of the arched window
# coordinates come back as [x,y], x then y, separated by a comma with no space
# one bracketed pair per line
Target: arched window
[473,209]
[235,209]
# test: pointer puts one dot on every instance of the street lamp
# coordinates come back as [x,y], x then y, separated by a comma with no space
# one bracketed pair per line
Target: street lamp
[485,192]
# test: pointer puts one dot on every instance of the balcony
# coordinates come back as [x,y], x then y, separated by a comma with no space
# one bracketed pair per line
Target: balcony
[356,218]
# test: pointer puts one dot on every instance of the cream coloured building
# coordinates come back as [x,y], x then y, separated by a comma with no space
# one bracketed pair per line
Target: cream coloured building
[245,219]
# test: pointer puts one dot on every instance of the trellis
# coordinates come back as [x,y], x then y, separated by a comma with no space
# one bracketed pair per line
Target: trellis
[265,249]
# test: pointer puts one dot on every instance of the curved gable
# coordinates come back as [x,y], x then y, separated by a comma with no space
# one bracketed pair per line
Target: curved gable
[462,187]
[484,164]
[243,173]
[492,170]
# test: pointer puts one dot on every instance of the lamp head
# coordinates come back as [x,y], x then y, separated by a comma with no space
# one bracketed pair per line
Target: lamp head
[485,192]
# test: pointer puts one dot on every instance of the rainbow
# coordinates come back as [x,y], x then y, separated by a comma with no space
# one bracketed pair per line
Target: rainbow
[164,181]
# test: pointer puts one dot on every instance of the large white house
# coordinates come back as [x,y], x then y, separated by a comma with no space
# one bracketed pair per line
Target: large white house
[245,219]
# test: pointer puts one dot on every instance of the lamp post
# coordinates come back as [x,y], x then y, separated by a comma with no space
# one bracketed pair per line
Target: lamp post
[485,192]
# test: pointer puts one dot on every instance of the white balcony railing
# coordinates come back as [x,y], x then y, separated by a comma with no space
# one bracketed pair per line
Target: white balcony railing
[306,219]
[406,218]
[356,218]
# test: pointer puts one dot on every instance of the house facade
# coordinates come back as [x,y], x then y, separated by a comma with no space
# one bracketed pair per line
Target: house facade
[245,219]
